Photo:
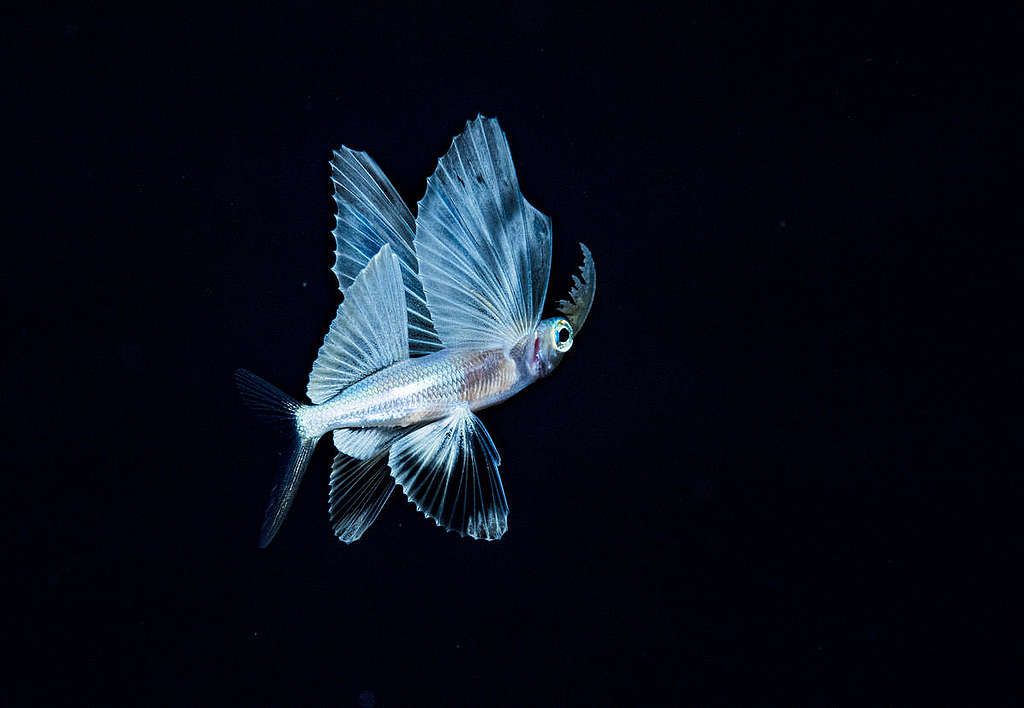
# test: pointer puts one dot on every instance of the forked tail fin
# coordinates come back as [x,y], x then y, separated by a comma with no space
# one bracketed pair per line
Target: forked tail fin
[281,408]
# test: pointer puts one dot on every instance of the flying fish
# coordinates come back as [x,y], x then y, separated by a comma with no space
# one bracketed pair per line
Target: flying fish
[441,318]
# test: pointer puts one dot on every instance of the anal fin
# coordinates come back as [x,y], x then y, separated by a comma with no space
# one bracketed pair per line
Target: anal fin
[359,490]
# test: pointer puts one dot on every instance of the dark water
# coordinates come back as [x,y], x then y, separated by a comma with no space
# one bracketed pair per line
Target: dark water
[773,469]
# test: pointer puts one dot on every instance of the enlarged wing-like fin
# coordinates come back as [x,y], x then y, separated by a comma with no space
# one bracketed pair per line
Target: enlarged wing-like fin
[581,295]
[484,252]
[364,443]
[367,334]
[370,215]
[449,470]
[359,490]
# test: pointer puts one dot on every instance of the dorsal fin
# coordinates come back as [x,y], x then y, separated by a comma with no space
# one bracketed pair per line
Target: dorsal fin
[370,214]
[368,333]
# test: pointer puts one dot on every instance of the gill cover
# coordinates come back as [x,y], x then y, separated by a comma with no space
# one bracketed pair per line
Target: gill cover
[581,295]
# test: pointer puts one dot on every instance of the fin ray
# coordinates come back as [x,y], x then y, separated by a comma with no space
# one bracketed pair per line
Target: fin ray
[282,408]
[449,470]
[371,214]
[368,333]
[484,252]
[359,490]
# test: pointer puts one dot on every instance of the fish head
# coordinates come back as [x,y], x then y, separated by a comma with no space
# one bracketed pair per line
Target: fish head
[553,337]
[551,340]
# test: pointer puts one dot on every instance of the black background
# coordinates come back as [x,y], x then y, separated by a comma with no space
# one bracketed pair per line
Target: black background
[773,469]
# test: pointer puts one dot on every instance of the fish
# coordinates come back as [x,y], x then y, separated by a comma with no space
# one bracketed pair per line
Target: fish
[441,317]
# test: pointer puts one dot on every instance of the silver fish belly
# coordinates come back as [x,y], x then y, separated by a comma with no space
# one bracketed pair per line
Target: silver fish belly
[420,390]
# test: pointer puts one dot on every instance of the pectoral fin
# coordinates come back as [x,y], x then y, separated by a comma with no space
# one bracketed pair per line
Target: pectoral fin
[449,470]
[484,252]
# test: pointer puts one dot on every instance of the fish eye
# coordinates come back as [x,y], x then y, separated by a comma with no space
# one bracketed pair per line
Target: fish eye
[562,337]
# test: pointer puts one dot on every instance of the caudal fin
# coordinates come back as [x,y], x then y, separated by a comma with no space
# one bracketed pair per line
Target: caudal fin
[278,406]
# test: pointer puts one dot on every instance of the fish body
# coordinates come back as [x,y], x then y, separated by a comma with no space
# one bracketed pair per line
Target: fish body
[441,318]
[419,390]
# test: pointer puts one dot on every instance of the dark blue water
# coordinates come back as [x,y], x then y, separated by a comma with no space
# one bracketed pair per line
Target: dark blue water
[770,470]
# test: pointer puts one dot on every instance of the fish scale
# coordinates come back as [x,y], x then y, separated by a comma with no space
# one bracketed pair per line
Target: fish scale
[414,390]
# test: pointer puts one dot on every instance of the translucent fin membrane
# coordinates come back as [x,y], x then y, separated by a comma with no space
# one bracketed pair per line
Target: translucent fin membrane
[367,334]
[359,490]
[265,399]
[281,408]
[484,252]
[370,215]
[291,468]
[449,470]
